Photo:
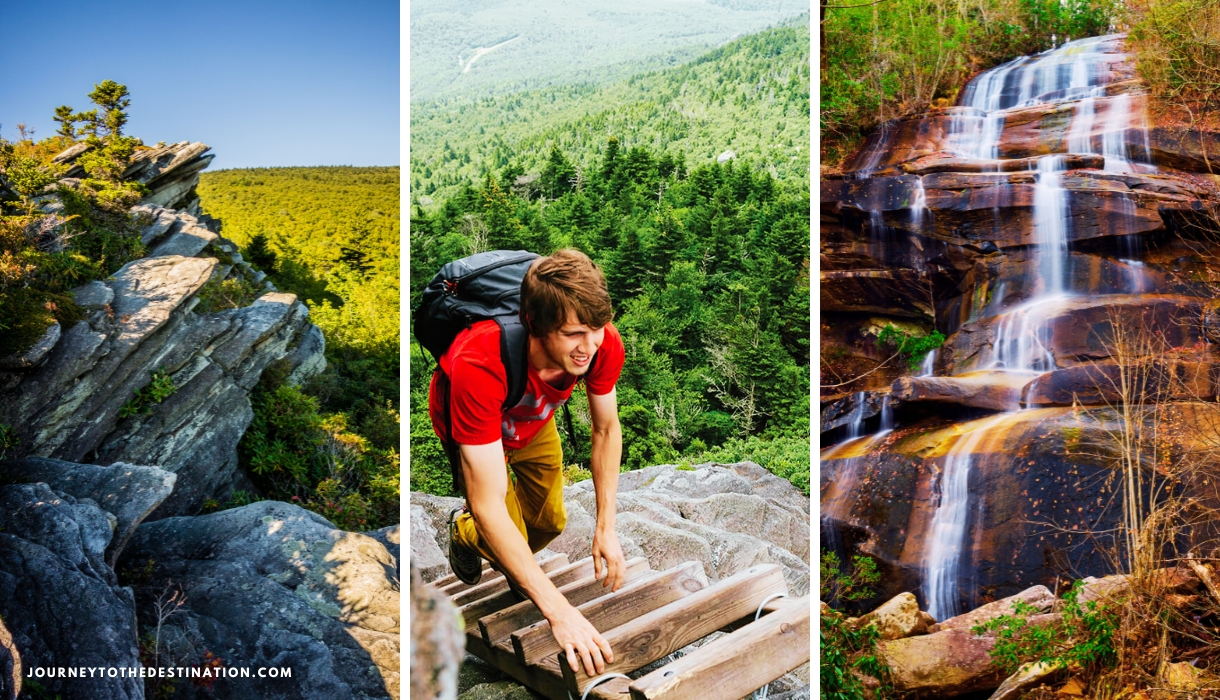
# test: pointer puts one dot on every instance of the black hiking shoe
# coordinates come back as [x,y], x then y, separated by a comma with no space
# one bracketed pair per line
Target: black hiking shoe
[465,562]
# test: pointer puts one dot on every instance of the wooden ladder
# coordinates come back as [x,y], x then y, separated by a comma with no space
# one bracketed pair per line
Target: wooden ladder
[654,614]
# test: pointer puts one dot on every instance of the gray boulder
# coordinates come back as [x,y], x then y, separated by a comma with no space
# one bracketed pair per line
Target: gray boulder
[126,491]
[58,598]
[272,585]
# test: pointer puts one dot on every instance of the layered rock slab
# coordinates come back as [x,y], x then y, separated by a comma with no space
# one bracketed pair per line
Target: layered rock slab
[72,407]
[271,584]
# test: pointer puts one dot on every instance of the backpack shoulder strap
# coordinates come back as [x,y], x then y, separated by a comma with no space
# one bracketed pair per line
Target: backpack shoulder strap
[514,352]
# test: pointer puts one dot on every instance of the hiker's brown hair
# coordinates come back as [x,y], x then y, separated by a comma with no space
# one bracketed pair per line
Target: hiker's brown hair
[566,280]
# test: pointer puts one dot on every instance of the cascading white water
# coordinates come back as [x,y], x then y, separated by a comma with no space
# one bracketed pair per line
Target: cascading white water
[887,415]
[1051,223]
[943,557]
[855,426]
[1114,140]
[928,368]
[919,203]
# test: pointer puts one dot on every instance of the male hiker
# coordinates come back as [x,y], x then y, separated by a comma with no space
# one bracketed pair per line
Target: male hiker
[565,308]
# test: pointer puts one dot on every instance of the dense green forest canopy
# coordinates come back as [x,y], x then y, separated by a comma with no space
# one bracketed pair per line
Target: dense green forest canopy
[476,49]
[709,272]
[750,96]
[330,235]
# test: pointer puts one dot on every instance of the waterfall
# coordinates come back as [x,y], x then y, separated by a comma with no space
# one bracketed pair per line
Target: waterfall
[928,368]
[1051,223]
[919,205]
[943,556]
[1114,140]
[887,416]
[855,428]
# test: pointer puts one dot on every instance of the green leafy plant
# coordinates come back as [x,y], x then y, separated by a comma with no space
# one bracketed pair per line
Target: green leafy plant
[159,389]
[8,439]
[839,586]
[848,654]
[1082,637]
[913,348]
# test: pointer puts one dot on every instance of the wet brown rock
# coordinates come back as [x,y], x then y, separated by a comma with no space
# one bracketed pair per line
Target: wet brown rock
[1080,329]
[1186,149]
[1028,676]
[999,391]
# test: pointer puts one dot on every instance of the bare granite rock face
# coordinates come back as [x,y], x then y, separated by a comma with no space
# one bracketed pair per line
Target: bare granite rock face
[128,492]
[59,599]
[77,405]
[272,585]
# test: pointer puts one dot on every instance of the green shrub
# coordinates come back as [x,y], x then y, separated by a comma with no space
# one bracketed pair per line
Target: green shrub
[221,294]
[912,348]
[847,587]
[159,389]
[1082,637]
[848,652]
[297,454]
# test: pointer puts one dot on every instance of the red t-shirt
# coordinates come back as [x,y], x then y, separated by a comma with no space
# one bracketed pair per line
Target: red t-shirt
[479,386]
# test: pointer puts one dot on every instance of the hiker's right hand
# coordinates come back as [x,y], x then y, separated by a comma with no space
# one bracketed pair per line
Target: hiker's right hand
[582,642]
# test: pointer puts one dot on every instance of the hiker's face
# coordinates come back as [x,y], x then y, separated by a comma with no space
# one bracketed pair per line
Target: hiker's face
[572,346]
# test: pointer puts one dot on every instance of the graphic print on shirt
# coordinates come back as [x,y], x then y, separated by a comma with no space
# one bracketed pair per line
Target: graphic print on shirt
[532,404]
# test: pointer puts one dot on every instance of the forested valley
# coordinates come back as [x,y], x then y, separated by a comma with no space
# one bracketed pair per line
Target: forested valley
[330,235]
[707,261]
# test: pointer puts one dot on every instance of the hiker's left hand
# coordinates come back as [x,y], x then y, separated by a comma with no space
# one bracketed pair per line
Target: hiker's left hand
[605,545]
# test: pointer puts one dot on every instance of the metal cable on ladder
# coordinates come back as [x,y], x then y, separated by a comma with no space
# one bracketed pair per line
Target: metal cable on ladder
[761,693]
[596,682]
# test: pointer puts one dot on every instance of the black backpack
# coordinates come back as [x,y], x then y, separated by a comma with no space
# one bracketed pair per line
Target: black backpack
[484,286]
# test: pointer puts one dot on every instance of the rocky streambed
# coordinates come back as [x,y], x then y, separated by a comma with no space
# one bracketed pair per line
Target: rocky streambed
[105,559]
[1066,249]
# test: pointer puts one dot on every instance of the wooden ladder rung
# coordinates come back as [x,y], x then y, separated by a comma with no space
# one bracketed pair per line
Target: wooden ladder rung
[642,639]
[534,644]
[497,626]
[736,664]
[449,583]
[500,584]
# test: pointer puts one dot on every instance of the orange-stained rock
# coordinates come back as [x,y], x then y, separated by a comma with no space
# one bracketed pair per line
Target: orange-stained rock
[896,618]
[999,391]
[1184,149]
[941,665]
[1037,597]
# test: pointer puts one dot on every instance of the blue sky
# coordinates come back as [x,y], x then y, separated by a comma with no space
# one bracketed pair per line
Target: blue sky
[263,82]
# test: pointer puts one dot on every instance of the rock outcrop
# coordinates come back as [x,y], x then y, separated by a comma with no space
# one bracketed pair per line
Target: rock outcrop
[59,599]
[134,414]
[729,517]
[75,402]
[272,585]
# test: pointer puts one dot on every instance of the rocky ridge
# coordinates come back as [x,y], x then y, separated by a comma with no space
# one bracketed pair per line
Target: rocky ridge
[103,479]
[726,516]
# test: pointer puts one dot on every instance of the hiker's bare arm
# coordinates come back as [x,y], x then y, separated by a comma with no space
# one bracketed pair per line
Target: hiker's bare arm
[486,488]
[607,454]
